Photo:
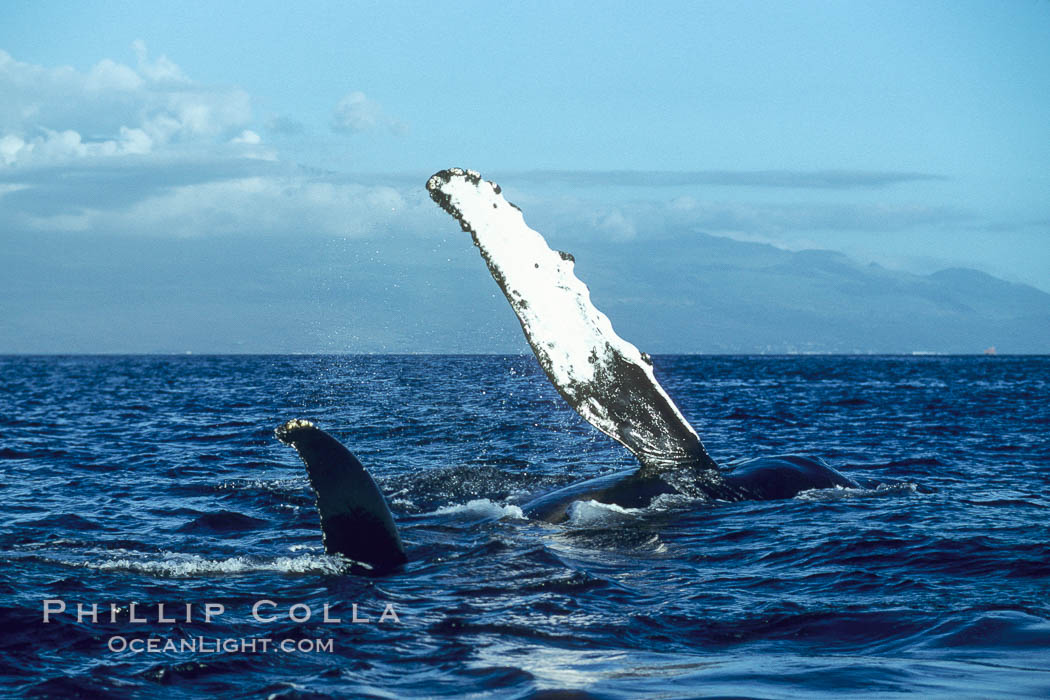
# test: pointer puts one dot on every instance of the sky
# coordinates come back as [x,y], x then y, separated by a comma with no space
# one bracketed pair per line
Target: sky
[149,151]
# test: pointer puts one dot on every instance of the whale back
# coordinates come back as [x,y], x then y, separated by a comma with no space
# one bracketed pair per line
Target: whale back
[780,476]
[627,489]
[355,519]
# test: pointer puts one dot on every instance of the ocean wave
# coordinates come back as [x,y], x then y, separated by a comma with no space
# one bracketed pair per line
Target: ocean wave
[181,565]
[839,493]
[872,590]
[223,521]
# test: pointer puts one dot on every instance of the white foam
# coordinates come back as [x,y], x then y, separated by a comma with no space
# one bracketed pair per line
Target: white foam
[675,501]
[838,493]
[592,513]
[178,565]
[306,548]
[483,507]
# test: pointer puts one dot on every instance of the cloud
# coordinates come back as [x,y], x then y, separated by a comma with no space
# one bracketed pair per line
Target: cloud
[261,205]
[284,125]
[247,137]
[144,150]
[55,115]
[57,146]
[793,179]
[212,192]
[357,113]
[771,218]
[109,75]
[161,70]
[792,225]
[617,226]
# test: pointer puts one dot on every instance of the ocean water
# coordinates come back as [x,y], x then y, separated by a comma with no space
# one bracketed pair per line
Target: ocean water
[156,480]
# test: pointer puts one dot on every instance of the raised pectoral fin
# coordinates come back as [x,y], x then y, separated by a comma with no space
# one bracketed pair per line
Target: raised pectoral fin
[606,379]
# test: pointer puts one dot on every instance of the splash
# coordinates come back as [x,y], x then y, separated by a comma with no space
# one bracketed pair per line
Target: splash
[484,508]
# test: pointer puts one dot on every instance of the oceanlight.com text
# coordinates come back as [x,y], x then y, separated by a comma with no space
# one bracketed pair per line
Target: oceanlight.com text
[219,645]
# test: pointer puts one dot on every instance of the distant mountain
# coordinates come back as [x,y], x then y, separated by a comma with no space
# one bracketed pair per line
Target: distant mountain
[399,293]
[713,294]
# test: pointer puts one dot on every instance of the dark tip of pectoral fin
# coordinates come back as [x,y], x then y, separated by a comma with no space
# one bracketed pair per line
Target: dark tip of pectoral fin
[286,432]
[355,519]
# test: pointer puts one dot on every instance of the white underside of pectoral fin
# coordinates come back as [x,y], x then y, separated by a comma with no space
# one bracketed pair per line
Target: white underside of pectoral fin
[606,379]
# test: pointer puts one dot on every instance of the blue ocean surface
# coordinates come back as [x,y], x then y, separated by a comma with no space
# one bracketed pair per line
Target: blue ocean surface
[152,480]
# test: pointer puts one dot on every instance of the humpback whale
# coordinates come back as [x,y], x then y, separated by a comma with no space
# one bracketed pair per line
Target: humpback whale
[607,381]
[355,519]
